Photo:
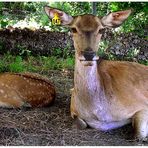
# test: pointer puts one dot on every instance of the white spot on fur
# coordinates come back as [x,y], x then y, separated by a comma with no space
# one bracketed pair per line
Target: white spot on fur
[2,84]
[1,91]
[5,96]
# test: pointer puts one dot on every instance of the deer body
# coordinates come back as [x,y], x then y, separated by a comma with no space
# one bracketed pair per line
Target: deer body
[17,90]
[107,94]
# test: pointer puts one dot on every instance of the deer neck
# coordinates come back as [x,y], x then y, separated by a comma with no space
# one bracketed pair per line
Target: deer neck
[87,81]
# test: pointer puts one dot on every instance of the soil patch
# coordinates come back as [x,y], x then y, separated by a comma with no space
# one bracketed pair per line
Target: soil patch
[53,125]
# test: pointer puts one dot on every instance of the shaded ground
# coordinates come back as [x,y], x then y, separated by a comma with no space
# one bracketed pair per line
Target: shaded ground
[53,125]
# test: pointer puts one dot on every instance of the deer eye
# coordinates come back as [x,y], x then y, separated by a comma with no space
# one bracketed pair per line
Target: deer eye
[74,30]
[101,31]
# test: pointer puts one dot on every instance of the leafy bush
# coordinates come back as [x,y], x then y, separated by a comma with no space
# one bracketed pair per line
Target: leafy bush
[31,14]
[17,65]
[10,63]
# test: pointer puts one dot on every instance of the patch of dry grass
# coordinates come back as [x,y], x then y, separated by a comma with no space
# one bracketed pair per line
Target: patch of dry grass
[53,125]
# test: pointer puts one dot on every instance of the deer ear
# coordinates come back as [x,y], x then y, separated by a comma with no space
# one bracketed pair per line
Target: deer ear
[65,18]
[115,19]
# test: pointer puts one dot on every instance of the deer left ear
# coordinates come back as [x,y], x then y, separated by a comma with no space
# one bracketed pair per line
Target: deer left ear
[65,18]
[115,19]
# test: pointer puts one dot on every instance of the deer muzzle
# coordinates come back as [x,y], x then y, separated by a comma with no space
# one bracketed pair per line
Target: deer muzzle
[89,55]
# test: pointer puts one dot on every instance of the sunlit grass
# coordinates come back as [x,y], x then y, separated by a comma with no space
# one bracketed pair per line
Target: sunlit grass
[10,63]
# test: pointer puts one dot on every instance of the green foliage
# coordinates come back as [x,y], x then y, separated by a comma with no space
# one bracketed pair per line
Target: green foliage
[103,45]
[10,63]
[4,62]
[54,63]
[132,53]
[23,52]
[17,65]
[32,13]
[3,66]
[144,62]
[139,18]
[24,13]
[1,46]
[49,63]
[68,63]
[3,23]
[57,52]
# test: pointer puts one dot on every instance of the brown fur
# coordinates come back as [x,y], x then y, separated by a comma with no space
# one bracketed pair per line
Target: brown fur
[107,94]
[128,81]
[18,89]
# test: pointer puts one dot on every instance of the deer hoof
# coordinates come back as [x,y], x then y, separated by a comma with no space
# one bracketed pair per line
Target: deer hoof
[80,123]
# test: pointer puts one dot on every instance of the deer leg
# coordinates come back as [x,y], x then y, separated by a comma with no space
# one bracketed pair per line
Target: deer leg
[80,123]
[72,104]
[140,124]
[10,103]
[10,99]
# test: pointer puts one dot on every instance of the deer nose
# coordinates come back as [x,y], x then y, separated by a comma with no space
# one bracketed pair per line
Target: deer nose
[89,55]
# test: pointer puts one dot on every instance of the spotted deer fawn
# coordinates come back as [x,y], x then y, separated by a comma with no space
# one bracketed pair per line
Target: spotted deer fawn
[17,90]
[106,94]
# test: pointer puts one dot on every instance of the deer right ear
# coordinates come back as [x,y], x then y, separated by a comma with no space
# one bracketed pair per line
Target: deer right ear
[115,19]
[65,18]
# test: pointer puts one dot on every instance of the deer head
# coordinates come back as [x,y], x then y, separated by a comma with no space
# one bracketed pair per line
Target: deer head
[86,30]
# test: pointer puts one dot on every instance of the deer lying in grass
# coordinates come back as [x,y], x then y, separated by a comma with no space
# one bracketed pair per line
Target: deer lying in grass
[17,90]
[106,94]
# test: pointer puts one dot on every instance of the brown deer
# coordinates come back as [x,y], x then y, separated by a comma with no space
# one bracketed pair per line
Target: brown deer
[28,89]
[106,94]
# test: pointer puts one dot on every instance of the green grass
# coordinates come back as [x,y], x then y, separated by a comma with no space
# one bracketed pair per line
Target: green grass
[48,63]
[17,65]
[10,63]
[144,62]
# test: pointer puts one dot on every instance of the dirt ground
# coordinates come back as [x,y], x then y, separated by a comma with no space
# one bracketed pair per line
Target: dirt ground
[54,126]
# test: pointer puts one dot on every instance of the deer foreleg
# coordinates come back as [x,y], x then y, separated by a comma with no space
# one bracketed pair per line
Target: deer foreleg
[140,124]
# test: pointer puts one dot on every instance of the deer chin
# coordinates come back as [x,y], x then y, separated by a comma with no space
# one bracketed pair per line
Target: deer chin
[86,62]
